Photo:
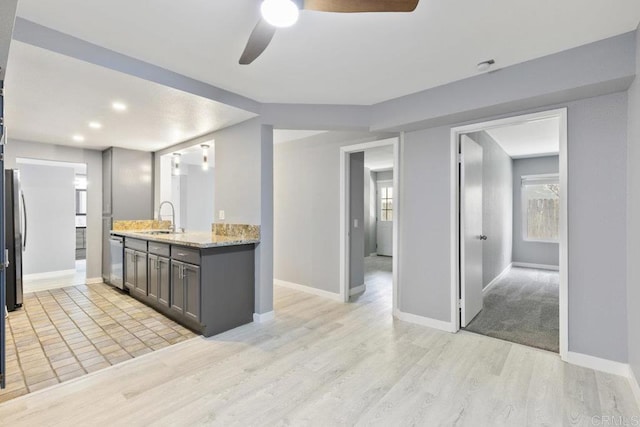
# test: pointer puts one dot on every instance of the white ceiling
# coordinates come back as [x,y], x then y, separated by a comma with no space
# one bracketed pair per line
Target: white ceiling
[380,158]
[531,139]
[336,58]
[51,97]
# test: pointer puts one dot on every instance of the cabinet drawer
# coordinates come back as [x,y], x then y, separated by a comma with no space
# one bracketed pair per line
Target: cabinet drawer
[161,249]
[139,245]
[188,255]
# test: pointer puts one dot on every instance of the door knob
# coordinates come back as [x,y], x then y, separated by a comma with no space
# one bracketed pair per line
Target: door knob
[483,237]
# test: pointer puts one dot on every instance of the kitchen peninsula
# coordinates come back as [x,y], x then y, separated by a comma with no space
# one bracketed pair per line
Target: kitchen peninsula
[205,281]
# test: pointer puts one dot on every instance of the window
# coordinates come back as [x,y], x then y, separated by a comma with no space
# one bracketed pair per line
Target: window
[386,203]
[541,208]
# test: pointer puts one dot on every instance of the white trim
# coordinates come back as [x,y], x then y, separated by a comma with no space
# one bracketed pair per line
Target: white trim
[357,290]
[425,321]
[598,364]
[373,254]
[94,281]
[635,387]
[345,151]
[532,156]
[264,317]
[48,275]
[560,113]
[537,266]
[308,289]
[496,279]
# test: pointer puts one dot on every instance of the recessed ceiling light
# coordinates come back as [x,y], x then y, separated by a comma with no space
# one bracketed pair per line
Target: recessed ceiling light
[119,106]
[95,125]
[78,138]
[280,13]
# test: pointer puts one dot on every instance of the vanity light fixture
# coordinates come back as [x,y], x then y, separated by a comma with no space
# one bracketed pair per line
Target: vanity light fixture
[205,157]
[176,163]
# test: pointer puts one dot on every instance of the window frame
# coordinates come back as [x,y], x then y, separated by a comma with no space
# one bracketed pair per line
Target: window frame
[525,208]
[387,184]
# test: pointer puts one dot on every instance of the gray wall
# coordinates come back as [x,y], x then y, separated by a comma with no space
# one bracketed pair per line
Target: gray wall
[597,272]
[307,209]
[93,159]
[527,251]
[50,198]
[356,214]
[497,207]
[370,237]
[384,176]
[633,231]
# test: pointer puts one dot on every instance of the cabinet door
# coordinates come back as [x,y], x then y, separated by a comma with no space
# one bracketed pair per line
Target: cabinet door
[154,277]
[130,268]
[177,286]
[164,281]
[141,273]
[191,277]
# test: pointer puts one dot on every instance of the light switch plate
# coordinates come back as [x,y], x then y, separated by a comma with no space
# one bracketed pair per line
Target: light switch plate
[221,215]
[355,223]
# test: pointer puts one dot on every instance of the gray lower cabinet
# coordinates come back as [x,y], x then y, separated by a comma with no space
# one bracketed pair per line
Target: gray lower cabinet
[159,279]
[135,271]
[209,290]
[129,268]
[185,289]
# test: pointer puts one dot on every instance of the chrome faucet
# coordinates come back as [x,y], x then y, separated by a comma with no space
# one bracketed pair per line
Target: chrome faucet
[173,214]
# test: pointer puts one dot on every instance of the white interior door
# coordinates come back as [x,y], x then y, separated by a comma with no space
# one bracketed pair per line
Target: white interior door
[384,223]
[471,236]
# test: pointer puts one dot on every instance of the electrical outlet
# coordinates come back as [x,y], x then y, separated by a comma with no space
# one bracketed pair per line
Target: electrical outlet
[221,215]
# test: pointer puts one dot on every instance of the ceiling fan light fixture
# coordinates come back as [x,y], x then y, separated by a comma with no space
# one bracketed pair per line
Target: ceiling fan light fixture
[280,13]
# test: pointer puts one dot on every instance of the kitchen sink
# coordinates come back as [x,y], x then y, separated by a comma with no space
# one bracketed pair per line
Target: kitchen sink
[159,232]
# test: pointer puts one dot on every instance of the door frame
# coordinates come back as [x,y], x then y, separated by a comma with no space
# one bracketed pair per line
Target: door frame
[345,152]
[456,246]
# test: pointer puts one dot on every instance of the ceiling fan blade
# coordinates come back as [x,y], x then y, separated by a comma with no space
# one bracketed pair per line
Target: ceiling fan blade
[258,41]
[354,6]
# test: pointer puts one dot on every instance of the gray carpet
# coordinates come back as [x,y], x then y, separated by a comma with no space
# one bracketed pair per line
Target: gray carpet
[522,308]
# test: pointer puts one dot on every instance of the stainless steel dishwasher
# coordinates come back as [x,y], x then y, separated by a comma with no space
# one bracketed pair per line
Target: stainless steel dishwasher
[116,270]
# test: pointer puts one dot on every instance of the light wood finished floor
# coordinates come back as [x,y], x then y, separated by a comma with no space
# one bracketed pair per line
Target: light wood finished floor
[323,363]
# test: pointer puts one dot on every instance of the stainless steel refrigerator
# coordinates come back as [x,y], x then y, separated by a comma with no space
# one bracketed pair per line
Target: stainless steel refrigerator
[16,237]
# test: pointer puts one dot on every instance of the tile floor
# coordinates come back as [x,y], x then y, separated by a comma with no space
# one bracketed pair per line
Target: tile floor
[64,333]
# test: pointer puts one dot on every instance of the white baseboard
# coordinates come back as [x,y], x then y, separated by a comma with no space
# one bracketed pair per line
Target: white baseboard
[308,289]
[635,387]
[48,275]
[538,266]
[373,254]
[496,279]
[598,364]
[357,290]
[424,321]
[94,280]
[264,317]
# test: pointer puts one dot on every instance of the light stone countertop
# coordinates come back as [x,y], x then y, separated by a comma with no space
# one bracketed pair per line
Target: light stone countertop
[194,239]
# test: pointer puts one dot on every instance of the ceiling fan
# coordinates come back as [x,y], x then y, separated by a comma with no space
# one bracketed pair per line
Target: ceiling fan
[284,13]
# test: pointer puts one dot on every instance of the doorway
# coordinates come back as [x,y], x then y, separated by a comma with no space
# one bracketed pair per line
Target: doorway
[54,223]
[510,237]
[369,220]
